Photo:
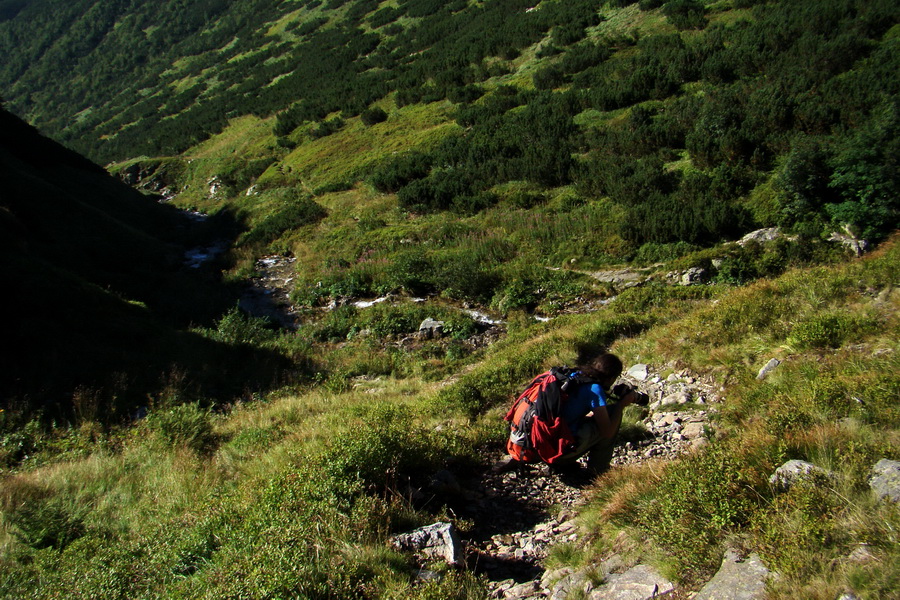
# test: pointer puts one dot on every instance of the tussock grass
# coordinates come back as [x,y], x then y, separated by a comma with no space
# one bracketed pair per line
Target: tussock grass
[830,403]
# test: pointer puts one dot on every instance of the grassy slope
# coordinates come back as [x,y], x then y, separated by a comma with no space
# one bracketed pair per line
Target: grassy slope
[207,505]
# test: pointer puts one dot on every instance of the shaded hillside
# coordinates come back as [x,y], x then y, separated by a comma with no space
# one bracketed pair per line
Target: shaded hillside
[96,288]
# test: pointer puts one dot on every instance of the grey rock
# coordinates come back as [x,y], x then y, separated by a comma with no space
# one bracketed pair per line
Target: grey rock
[694,275]
[861,555]
[885,480]
[555,575]
[638,372]
[569,584]
[427,575]
[523,590]
[431,328]
[641,582]
[737,579]
[439,540]
[692,431]
[793,471]
[768,368]
[857,246]
[761,236]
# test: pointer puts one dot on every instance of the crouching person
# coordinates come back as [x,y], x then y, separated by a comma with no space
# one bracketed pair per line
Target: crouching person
[565,414]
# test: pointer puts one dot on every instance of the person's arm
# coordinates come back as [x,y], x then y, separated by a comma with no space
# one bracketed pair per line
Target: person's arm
[609,417]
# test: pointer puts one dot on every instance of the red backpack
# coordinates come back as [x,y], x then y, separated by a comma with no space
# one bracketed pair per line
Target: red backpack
[536,430]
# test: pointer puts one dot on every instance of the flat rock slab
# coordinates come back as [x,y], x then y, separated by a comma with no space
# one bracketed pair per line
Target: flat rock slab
[638,372]
[737,580]
[641,582]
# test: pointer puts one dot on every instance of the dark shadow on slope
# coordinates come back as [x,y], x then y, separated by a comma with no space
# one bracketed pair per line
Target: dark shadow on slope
[97,300]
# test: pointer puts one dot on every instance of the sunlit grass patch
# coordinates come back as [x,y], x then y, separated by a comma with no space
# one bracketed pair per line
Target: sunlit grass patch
[344,155]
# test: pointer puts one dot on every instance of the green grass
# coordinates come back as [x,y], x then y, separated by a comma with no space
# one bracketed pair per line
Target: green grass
[296,492]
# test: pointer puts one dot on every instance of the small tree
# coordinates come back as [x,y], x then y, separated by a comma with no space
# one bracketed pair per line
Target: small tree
[373,115]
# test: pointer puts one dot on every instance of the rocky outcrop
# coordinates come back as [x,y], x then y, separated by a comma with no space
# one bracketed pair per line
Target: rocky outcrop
[768,368]
[794,471]
[761,236]
[431,329]
[847,239]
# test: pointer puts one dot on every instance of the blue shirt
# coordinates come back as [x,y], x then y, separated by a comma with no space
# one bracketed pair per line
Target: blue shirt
[585,399]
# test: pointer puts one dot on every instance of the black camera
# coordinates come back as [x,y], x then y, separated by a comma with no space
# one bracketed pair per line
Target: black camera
[640,398]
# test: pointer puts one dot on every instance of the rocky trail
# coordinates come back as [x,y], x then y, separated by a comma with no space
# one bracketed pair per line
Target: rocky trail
[519,516]
[513,519]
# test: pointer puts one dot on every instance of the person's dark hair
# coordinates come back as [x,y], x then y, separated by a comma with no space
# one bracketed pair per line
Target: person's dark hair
[602,366]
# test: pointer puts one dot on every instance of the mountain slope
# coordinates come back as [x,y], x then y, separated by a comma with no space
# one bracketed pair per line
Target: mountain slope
[97,289]
[699,120]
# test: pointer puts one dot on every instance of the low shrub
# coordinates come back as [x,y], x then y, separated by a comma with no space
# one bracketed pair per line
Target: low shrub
[47,522]
[184,425]
[373,116]
[698,502]
[236,327]
[801,530]
[298,212]
[386,445]
[830,330]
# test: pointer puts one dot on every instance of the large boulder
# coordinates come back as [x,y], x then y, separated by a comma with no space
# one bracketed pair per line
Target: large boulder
[431,329]
[640,582]
[794,471]
[761,236]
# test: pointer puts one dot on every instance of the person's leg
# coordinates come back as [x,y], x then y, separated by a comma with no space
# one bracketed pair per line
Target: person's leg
[589,441]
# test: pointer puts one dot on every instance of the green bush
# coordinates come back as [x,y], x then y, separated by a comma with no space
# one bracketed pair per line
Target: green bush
[47,523]
[236,327]
[298,212]
[799,524]
[830,330]
[412,271]
[686,14]
[651,252]
[372,116]
[385,445]
[185,425]
[701,500]
[648,297]
[326,128]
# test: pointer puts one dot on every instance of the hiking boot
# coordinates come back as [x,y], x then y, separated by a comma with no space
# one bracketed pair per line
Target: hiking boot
[505,465]
[568,468]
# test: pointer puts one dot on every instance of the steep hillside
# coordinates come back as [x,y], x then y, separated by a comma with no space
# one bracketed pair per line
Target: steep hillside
[698,121]
[298,492]
[436,201]
[98,297]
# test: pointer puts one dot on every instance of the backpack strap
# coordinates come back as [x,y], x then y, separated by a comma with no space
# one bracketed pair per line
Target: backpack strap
[551,398]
